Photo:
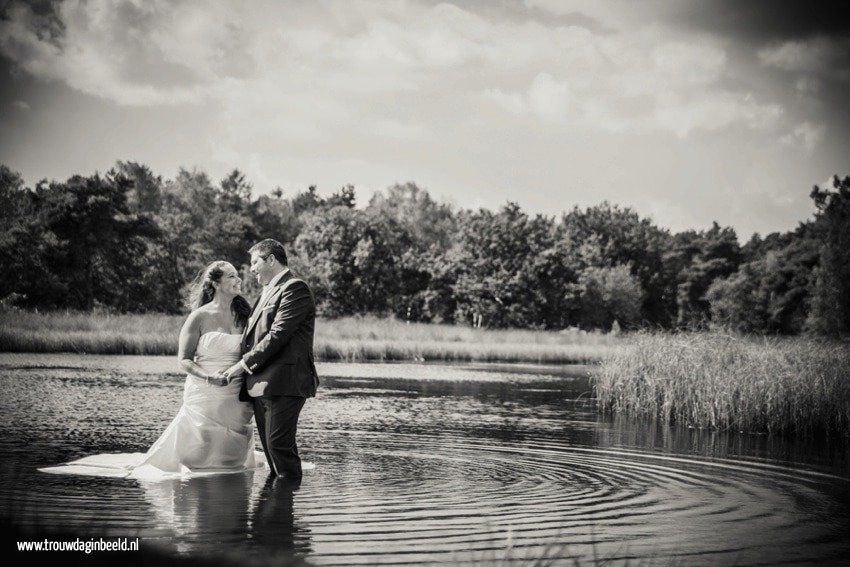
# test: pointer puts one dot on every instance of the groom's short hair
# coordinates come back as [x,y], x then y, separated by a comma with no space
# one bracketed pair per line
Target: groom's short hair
[270,246]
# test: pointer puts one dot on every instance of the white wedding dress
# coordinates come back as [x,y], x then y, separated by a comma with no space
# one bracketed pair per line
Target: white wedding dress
[213,431]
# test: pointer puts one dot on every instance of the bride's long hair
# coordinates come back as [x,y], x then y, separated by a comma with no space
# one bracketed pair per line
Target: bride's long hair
[202,292]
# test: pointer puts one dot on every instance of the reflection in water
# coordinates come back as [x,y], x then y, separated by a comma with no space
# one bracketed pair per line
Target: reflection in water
[427,463]
[820,452]
[273,521]
[205,513]
[198,510]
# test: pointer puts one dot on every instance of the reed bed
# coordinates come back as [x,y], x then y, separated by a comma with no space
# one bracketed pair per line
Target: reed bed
[90,333]
[389,350]
[350,339]
[712,380]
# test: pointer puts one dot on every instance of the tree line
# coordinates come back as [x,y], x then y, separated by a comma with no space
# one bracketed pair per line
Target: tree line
[131,241]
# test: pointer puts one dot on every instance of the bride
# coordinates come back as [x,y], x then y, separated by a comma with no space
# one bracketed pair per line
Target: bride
[213,431]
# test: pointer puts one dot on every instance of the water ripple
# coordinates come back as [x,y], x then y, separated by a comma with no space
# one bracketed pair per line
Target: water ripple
[417,470]
[464,497]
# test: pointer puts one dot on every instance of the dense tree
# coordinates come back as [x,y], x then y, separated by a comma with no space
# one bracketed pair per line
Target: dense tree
[788,282]
[605,295]
[431,224]
[355,260]
[22,238]
[234,194]
[146,193]
[697,259]
[426,277]
[625,239]
[503,270]
[12,192]
[771,292]
[97,246]
[830,312]
[131,241]
[275,217]
[738,302]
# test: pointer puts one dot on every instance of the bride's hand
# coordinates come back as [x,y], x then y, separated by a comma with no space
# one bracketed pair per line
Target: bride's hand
[217,379]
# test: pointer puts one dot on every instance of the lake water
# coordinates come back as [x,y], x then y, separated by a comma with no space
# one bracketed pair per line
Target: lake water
[424,464]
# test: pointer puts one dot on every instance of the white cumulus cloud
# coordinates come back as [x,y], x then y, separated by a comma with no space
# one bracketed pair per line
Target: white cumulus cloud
[806,136]
[814,56]
[369,76]
[133,53]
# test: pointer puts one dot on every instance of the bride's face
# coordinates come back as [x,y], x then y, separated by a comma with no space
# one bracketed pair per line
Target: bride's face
[230,283]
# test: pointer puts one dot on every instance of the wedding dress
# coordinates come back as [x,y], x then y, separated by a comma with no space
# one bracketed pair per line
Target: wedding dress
[213,431]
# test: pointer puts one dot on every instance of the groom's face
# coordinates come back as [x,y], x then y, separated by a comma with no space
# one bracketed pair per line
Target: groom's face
[262,268]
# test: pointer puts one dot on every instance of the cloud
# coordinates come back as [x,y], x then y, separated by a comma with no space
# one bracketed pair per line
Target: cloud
[638,83]
[816,56]
[512,102]
[806,136]
[132,53]
[546,97]
[368,70]
[807,86]
[717,111]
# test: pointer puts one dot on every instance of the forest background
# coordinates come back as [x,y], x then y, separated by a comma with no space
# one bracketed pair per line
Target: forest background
[130,241]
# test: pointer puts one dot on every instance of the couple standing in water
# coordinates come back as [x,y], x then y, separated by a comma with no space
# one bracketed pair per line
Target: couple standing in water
[241,363]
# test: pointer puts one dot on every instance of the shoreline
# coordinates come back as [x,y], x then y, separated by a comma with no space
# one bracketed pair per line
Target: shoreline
[347,351]
[713,380]
[353,339]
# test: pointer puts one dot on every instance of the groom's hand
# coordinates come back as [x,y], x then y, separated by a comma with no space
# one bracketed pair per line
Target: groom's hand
[217,379]
[234,371]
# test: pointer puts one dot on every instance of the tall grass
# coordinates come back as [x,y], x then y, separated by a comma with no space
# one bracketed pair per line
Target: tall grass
[350,339]
[91,333]
[710,380]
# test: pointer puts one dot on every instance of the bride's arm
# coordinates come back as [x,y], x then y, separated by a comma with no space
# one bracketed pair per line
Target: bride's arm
[189,335]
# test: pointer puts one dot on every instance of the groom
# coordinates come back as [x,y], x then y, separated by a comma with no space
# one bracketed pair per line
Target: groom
[277,356]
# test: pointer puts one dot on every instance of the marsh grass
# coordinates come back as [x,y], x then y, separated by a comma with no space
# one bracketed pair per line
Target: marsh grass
[350,339]
[92,333]
[712,380]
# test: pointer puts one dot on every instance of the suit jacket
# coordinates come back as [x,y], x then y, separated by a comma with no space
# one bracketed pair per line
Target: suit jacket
[277,344]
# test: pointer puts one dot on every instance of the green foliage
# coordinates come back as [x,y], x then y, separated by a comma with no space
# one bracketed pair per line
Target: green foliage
[432,224]
[797,281]
[502,268]
[605,295]
[697,259]
[97,246]
[621,237]
[737,302]
[354,259]
[771,293]
[146,193]
[130,241]
[830,313]
[22,240]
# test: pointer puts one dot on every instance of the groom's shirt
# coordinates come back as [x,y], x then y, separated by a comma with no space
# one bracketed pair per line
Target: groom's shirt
[267,289]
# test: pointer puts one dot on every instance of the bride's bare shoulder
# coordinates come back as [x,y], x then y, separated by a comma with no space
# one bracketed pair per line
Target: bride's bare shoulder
[197,318]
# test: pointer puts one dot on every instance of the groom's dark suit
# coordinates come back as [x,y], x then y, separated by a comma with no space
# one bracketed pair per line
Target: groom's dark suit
[277,348]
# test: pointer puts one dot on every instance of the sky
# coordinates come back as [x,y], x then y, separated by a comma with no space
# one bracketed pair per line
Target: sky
[689,112]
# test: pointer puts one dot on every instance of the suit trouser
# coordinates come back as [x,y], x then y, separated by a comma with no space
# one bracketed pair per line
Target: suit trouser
[277,423]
